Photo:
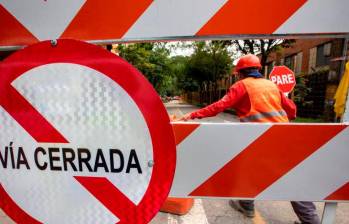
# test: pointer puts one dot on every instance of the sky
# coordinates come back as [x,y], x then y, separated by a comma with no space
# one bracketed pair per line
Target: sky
[184,51]
[187,51]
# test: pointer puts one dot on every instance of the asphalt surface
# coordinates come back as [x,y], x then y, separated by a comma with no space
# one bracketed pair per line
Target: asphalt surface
[218,211]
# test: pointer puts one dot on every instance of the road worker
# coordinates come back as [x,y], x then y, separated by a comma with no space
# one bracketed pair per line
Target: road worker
[256,99]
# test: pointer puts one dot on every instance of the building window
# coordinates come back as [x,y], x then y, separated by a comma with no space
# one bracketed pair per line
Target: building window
[327,49]
[312,60]
[289,61]
[282,61]
[298,63]
[323,55]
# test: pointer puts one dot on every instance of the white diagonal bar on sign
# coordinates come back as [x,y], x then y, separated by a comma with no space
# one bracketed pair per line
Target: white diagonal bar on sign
[207,150]
[44,19]
[174,18]
[72,103]
[317,176]
[318,16]
[25,188]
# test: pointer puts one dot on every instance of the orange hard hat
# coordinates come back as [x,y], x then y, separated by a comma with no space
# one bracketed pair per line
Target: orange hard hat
[248,61]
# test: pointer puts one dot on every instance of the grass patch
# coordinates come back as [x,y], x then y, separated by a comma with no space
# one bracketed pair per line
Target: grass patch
[308,120]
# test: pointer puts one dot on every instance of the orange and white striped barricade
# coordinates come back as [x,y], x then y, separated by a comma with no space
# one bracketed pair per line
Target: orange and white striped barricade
[27,22]
[257,161]
[177,206]
[295,162]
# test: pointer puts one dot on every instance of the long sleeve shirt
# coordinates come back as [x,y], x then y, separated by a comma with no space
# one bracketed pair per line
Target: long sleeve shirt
[238,99]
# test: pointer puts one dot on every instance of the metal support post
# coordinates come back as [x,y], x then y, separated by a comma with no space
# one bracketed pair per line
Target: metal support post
[346,112]
[329,214]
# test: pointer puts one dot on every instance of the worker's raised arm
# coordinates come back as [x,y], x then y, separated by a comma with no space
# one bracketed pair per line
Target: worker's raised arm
[289,106]
[232,97]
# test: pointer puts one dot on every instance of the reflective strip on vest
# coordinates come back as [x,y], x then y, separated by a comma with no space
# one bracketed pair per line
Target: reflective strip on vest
[262,115]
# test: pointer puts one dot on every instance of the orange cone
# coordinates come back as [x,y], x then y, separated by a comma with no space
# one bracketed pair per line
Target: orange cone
[177,206]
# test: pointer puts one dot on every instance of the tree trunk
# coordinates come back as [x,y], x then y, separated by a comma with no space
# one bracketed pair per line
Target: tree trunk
[263,62]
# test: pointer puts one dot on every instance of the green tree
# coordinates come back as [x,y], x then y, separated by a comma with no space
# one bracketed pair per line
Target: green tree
[210,62]
[181,81]
[263,47]
[301,90]
[152,60]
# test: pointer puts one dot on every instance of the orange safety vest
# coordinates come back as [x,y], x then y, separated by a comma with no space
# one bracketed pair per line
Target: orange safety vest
[265,101]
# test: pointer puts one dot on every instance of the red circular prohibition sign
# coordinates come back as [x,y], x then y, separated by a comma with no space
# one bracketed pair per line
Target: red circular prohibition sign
[131,80]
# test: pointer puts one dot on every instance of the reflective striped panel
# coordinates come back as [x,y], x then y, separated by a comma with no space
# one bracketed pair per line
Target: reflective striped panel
[262,115]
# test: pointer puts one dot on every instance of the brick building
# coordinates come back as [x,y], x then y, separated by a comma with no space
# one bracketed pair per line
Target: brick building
[317,61]
[307,56]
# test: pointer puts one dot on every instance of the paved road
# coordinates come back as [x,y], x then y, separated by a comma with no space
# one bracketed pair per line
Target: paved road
[217,211]
[174,108]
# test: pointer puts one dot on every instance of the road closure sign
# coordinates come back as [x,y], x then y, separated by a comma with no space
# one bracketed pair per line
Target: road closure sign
[84,138]
[284,78]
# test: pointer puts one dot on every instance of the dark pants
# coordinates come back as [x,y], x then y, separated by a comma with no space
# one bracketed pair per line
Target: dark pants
[305,210]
